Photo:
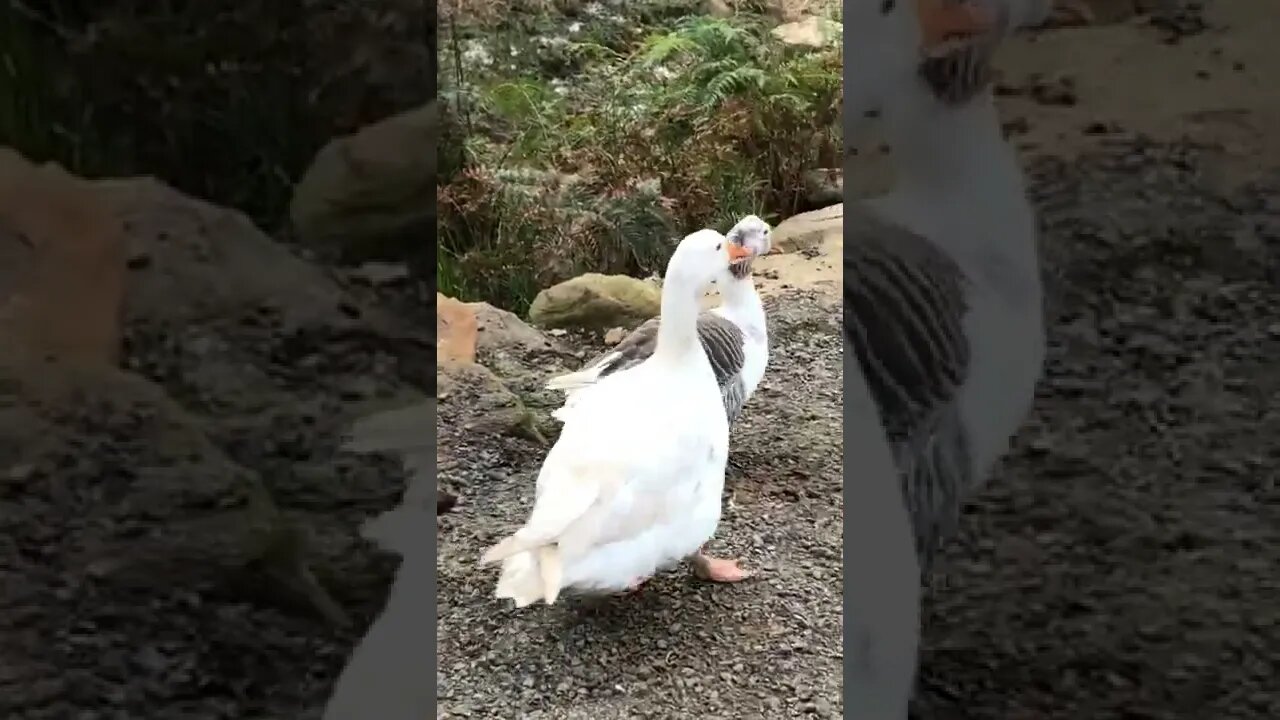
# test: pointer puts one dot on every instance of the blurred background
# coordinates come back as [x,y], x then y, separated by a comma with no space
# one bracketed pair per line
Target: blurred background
[227,102]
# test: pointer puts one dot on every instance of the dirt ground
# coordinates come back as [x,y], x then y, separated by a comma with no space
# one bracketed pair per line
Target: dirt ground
[1121,565]
[770,647]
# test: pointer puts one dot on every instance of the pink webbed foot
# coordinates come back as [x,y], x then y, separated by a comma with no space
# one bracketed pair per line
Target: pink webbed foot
[720,570]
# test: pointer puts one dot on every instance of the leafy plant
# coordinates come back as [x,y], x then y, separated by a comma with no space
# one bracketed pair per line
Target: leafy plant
[692,125]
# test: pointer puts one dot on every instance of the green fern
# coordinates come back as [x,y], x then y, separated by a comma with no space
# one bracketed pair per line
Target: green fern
[661,48]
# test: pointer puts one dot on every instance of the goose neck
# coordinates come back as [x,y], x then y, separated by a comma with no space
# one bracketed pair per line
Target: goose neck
[940,149]
[678,322]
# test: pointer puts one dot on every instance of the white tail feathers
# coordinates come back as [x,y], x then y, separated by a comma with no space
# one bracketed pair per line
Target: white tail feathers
[574,380]
[581,378]
[551,571]
[571,383]
[532,564]
[510,545]
[529,576]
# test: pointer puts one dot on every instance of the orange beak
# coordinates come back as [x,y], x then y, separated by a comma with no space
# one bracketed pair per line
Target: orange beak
[941,20]
[738,252]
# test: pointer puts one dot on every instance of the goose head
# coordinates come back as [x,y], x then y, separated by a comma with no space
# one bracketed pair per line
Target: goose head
[753,234]
[702,257]
[941,48]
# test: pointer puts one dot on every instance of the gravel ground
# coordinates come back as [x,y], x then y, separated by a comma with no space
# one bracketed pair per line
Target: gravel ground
[1121,566]
[123,514]
[770,647]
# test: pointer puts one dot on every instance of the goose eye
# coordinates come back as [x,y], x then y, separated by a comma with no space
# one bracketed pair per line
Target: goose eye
[719,245]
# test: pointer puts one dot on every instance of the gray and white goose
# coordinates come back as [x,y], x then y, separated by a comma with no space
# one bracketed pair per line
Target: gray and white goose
[942,292]
[734,335]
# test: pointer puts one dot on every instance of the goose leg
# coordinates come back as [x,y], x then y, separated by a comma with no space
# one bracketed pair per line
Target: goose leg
[721,570]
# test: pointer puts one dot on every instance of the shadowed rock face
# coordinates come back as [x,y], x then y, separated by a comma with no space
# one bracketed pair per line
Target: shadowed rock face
[168,434]
[64,255]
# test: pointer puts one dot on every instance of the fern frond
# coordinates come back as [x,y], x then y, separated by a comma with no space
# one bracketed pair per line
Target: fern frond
[660,48]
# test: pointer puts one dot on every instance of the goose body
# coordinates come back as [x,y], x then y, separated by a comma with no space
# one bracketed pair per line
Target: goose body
[633,483]
[734,335]
[942,297]
[634,507]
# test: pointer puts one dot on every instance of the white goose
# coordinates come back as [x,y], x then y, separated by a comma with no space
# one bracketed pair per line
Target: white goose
[633,483]
[942,292]
[734,335]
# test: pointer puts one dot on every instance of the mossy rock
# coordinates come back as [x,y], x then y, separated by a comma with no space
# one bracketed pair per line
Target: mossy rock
[596,302]
[371,195]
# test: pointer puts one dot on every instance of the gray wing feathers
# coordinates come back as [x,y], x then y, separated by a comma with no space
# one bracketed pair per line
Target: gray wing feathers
[734,394]
[904,308]
[633,350]
[723,342]
[936,472]
[725,347]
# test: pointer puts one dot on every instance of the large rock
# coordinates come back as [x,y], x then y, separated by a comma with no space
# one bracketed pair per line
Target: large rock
[473,398]
[503,332]
[480,349]
[206,291]
[517,352]
[191,260]
[372,194]
[222,326]
[456,330]
[155,504]
[467,332]
[814,32]
[62,264]
[596,302]
[86,264]
[806,231]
